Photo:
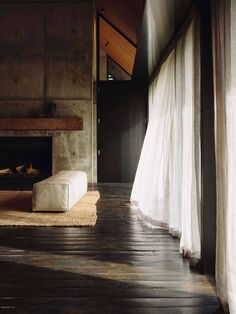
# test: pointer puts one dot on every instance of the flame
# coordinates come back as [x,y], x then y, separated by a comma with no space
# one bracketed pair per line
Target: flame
[30,168]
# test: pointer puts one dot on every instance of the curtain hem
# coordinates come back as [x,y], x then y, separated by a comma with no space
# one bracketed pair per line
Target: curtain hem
[194,261]
[153,222]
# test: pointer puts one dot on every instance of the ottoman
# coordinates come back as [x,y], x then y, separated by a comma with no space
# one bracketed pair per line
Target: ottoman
[59,192]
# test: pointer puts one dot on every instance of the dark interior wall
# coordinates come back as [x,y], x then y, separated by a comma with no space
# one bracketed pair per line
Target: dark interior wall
[122,112]
[162,19]
[46,55]
[208,161]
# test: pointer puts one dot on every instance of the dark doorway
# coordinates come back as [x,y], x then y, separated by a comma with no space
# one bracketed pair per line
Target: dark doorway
[122,111]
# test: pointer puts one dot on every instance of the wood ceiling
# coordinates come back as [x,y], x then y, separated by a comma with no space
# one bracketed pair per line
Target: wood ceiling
[119,23]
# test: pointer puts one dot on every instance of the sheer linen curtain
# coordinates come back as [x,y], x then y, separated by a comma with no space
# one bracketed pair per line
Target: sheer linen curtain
[224,46]
[190,108]
[166,187]
[151,187]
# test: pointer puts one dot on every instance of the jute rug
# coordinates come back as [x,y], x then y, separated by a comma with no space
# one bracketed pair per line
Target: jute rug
[16,210]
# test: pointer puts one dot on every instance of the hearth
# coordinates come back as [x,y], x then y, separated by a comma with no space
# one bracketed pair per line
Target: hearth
[24,161]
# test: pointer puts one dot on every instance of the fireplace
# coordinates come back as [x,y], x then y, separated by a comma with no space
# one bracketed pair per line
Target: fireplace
[24,161]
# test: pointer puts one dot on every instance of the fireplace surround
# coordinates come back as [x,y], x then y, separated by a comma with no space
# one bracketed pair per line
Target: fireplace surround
[24,161]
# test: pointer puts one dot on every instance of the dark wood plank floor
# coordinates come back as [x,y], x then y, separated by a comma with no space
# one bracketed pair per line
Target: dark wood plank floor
[118,266]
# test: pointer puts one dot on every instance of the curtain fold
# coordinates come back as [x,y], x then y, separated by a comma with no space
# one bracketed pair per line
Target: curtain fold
[151,185]
[231,130]
[224,56]
[190,206]
[166,187]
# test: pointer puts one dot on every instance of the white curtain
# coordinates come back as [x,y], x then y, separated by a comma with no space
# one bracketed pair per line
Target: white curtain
[166,187]
[190,108]
[151,185]
[224,47]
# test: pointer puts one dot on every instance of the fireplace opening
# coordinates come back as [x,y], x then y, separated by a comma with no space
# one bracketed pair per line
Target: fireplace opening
[24,161]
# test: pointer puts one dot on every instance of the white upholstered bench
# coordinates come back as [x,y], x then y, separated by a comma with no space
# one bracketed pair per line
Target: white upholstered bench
[59,192]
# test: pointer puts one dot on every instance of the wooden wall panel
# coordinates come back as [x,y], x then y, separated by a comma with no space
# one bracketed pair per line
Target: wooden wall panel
[124,15]
[69,50]
[21,50]
[116,71]
[116,46]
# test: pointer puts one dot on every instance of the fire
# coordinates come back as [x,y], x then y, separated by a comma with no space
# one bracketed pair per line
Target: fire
[30,167]
[21,169]
[31,170]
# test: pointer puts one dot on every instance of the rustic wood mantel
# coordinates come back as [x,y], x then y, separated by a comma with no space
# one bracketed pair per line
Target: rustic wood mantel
[41,123]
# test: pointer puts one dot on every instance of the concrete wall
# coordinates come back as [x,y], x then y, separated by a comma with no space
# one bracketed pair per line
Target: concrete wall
[46,52]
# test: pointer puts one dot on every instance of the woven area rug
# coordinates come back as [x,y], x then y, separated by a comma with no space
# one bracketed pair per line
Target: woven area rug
[16,210]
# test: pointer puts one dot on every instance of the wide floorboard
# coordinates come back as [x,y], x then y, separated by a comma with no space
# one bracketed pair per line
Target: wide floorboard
[118,266]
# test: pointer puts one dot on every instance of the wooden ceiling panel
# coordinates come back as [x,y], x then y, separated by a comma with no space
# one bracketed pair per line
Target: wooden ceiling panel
[125,15]
[117,46]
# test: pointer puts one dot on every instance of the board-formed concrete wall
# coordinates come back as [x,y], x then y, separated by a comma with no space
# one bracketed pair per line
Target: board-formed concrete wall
[46,55]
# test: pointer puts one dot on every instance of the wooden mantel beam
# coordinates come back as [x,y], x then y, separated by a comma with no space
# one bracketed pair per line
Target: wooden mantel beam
[38,123]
